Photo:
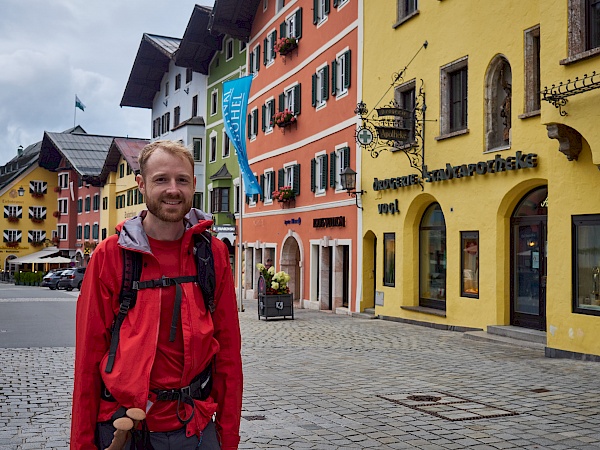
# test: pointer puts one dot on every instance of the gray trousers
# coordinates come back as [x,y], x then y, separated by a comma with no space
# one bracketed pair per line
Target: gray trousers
[172,440]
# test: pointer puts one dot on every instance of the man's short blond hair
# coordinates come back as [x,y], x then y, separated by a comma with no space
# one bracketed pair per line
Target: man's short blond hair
[175,148]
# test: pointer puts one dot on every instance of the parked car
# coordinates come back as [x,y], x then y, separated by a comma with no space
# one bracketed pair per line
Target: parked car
[51,278]
[71,278]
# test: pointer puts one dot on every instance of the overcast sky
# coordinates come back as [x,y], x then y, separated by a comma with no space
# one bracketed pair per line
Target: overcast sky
[51,50]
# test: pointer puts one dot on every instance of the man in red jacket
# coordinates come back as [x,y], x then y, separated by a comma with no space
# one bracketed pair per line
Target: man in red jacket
[168,342]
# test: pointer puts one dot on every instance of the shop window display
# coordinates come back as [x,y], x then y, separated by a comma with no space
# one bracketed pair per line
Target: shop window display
[389,259]
[469,241]
[432,258]
[586,264]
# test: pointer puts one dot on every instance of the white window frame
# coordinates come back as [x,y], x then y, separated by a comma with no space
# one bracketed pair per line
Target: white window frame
[214,102]
[321,15]
[253,123]
[12,210]
[37,186]
[228,49]
[61,231]
[269,115]
[255,66]
[226,147]
[321,102]
[269,48]
[290,25]
[63,205]
[37,235]
[340,60]
[194,140]
[288,171]
[236,196]
[265,5]
[320,169]
[37,211]
[269,175]
[213,147]
[339,159]
[63,180]
[13,235]
[288,93]
[279,4]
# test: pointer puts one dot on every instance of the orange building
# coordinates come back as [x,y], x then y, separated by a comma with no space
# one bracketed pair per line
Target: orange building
[300,136]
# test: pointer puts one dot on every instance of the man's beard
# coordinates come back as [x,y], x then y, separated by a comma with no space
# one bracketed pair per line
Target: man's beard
[159,209]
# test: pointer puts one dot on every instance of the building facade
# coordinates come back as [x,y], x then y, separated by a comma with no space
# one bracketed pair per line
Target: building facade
[493,217]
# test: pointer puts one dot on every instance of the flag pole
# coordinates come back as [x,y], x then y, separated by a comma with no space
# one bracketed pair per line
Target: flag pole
[240,247]
[75,113]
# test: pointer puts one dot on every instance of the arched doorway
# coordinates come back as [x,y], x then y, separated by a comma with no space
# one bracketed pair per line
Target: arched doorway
[369,271]
[528,260]
[290,263]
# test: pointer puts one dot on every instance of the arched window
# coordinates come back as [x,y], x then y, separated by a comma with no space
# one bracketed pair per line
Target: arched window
[498,99]
[432,258]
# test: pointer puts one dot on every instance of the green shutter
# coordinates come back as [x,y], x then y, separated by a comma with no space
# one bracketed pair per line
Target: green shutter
[327,7]
[324,171]
[272,187]
[313,168]
[257,57]
[251,62]
[314,89]
[347,70]
[346,157]
[272,109]
[273,42]
[325,82]
[299,23]
[255,114]
[282,29]
[333,77]
[335,3]
[281,102]
[265,52]
[262,186]
[332,173]
[297,99]
[280,178]
[249,125]
[264,114]
[315,11]
[297,179]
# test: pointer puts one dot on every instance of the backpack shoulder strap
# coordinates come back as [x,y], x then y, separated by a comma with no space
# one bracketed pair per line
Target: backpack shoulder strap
[206,268]
[132,270]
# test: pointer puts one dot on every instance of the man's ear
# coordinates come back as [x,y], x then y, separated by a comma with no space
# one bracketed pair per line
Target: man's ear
[194,182]
[140,182]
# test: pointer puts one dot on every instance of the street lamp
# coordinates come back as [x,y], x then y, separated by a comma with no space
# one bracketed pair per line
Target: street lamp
[21,191]
[348,181]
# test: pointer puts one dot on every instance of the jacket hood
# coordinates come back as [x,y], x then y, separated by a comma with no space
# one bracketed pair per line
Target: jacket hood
[132,235]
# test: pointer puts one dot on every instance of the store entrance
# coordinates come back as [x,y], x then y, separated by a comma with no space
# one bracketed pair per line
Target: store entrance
[528,257]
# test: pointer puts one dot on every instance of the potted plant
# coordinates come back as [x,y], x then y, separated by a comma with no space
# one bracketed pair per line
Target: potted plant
[36,219]
[274,298]
[284,118]
[56,214]
[284,194]
[37,194]
[56,240]
[12,244]
[57,189]
[285,45]
[13,218]
[36,243]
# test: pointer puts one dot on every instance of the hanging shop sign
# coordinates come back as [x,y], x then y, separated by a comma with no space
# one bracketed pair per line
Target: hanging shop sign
[224,228]
[388,208]
[496,165]
[297,221]
[328,222]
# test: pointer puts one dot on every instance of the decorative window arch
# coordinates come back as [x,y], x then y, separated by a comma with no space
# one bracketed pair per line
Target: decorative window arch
[498,99]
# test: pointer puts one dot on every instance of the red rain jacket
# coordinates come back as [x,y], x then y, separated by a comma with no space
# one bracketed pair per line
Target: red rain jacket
[204,336]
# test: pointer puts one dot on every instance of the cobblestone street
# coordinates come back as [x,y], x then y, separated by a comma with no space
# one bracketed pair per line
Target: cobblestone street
[324,381]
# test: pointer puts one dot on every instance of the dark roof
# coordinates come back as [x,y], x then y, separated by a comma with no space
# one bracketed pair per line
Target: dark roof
[221,174]
[128,149]
[13,169]
[198,120]
[233,17]
[86,153]
[198,45]
[150,65]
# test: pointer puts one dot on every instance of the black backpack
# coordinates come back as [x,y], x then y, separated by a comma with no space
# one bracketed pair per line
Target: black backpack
[132,269]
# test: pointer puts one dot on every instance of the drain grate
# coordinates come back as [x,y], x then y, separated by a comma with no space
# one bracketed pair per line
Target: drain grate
[448,407]
[250,418]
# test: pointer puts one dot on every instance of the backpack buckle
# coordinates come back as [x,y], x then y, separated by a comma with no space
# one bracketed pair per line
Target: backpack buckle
[165,281]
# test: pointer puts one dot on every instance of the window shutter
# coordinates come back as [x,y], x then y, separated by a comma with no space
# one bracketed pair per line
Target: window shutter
[313,168]
[327,8]
[255,198]
[257,58]
[282,29]
[272,186]
[332,169]
[297,179]
[273,41]
[315,11]
[251,62]
[314,89]
[333,77]
[324,171]
[264,114]
[346,157]
[265,52]
[299,23]
[280,178]
[262,185]
[281,102]
[297,99]
[255,121]
[272,110]
[325,82]
[247,199]
[335,3]
[249,125]
[347,67]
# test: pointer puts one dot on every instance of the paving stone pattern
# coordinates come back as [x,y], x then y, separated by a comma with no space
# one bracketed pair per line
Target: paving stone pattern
[324,381]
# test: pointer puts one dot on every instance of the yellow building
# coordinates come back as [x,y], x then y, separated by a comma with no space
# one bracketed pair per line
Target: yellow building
[494,217]
[121,198]
[28,200]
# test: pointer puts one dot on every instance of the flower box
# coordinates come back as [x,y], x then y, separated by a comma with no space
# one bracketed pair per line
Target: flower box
[280,305]
[12,244]
[37,219]
[37,194]
[56,214]
[284,118]
[13,219]
[36,243]
[285,45]
[57,189]
[284,195]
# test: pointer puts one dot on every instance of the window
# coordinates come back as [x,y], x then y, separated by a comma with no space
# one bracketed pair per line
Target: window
[63,180]
[453,85]
[320,11]
[236,198]
[279,5]
[432,258]
[62,205]
[86,231]
[320,87]
[166,89]
[269,45]
[96,206]
[176,116]
[498,98]
[469,264]
[79,205]
[37,212]
[198,200]
[253,124]
[104,203]
[586,264]
[584,29]
[129,171]
[406,10]
[340,74]
[213,149]
[103,233]
[226,145]
[156,127]
[268,185]
[188,75]
[242,46]
[265,5]
[318,174]
[61,231]
[13,211]
[36,236]
[339,3]
[405,98]
[292,26]
[254,61]
[532,70]
[389,259]
[87,204]
[229,50]
[79,232]
[268,111]
[95,229]
[12,235]
[290,99]
[220,200]
[195,106]
[290,176]
[338,161]
[197,142]
[38,187]
[177,82]
[166,123]
[214,102]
